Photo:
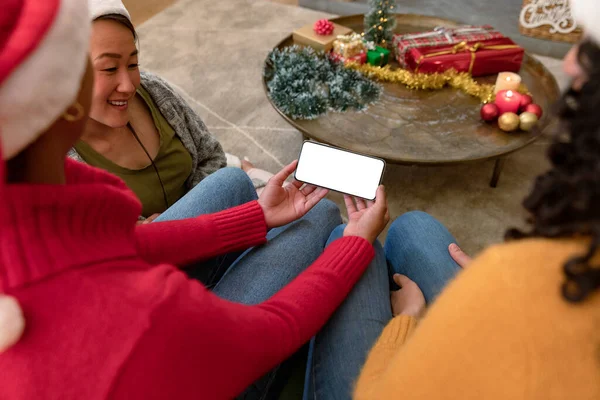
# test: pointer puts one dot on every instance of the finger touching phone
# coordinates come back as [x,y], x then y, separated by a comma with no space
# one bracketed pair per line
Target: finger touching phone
[339,170]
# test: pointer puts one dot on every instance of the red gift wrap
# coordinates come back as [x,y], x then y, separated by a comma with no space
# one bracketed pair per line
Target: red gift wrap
[477,50]
[359,58]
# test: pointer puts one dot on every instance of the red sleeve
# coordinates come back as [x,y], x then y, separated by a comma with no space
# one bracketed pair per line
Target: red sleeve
[218,348]
[195,239]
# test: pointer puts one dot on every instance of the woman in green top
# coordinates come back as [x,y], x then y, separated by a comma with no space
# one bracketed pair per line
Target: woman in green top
[141,130]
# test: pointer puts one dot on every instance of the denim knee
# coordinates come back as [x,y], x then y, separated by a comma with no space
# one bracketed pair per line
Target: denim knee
[235,180]
[404,224]
[327,214]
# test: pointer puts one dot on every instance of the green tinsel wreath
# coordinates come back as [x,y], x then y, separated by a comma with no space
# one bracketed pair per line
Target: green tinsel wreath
[305,84]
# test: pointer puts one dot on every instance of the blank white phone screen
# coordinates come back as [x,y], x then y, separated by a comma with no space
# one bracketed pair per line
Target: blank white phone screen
[339,170]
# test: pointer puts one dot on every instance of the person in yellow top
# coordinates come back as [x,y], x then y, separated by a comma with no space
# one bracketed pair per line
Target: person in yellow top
[522,320]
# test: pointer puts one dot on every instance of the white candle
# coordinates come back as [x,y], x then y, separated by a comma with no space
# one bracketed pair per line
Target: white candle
[507,81]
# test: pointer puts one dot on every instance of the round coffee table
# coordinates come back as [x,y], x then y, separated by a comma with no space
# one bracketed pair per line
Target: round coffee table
[427,127]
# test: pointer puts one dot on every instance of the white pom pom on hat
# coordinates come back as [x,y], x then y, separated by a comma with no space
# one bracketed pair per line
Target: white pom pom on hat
[587,16]
[12,322]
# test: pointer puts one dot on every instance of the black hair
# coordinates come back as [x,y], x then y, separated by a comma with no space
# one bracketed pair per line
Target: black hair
[123,20]
[565,201]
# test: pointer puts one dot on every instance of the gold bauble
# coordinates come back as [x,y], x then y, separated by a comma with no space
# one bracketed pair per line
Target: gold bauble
[528,121]
[380,28]
[509,122]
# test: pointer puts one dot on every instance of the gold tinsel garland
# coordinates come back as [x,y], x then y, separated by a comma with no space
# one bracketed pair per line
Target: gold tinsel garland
[462,81]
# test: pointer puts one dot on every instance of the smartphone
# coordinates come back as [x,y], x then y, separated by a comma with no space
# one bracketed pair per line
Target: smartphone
[340,170]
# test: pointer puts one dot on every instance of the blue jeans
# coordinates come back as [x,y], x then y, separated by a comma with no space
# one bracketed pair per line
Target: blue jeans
[225,188]
[416,246]
[256,274]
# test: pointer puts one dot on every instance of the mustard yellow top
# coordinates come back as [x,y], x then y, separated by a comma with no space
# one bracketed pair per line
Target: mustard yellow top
[501,330]
[173,161]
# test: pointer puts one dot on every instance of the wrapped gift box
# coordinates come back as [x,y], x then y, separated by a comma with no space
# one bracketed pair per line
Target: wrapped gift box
[359,58]
[349,45]
[378,57]
[478,50]
[306,36]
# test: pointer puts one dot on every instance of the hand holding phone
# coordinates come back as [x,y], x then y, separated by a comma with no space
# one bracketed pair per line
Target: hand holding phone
[367,219]
[284,203]
[340,170]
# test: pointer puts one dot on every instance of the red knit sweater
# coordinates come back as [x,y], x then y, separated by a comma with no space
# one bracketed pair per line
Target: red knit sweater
[109,316]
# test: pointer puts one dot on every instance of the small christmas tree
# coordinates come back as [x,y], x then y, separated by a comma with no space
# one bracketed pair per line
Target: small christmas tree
[380,22]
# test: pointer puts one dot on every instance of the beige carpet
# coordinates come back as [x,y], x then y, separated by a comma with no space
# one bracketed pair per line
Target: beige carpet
[213,52]
[143,10]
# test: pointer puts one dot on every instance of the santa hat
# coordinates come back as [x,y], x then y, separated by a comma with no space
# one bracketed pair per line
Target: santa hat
[99,8]
[43,56]
[587,16]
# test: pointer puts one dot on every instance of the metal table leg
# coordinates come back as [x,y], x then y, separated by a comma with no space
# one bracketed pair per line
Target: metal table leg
[498,167]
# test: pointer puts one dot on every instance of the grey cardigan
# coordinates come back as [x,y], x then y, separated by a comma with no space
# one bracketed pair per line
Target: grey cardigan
[207,153]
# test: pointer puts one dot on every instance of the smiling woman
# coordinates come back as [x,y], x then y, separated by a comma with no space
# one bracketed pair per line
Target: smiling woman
[139,128]
[115,60]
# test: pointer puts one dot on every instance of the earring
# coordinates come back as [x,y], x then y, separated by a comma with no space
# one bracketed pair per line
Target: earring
[79,113]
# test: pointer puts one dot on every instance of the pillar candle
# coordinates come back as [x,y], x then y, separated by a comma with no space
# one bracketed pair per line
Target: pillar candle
[507,81]
[508,101]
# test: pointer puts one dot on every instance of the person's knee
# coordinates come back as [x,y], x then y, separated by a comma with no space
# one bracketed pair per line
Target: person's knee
[236,181]
[326,213]
[407,222]
[410,225]
[233,175]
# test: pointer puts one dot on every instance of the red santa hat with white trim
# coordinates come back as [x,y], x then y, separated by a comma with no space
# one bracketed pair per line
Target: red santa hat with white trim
[43,56]
[587,16]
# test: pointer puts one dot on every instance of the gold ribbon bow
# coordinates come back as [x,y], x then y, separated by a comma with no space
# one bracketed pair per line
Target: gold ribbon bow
[464,47]
[352,37]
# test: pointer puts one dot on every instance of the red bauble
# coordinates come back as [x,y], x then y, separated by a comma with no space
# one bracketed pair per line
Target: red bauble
[534,108]
[489,112]
[323,27]
[525,100]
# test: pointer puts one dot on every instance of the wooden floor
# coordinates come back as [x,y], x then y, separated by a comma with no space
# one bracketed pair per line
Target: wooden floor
[142,10]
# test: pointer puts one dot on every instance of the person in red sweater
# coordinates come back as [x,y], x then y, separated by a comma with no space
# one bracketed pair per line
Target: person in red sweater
[93,305]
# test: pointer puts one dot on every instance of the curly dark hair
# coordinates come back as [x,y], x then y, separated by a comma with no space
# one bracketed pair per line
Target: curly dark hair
[565,201]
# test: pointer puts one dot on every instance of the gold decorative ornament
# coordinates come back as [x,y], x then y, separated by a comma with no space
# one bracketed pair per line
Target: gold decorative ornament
[528,121]
[420,81]
[509,122]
